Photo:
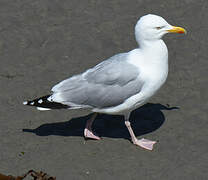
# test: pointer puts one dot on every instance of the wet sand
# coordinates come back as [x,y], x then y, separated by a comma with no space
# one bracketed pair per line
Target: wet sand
[43,42]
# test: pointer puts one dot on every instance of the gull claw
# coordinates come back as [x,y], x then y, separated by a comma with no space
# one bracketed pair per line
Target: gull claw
[145,143]
[89,134]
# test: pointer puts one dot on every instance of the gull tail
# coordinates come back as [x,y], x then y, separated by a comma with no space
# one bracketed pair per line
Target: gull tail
[45,103]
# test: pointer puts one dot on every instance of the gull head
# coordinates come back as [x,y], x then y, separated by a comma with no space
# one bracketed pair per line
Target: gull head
[153,27]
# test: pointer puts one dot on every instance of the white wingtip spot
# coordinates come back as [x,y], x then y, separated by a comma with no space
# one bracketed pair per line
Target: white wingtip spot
[49,99]
[40,101]
[25,102]
[32,103]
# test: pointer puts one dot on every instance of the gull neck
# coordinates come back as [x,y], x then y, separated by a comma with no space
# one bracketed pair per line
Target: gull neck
[153,47]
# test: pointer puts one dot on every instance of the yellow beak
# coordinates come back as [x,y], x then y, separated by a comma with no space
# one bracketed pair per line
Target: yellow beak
[177,30]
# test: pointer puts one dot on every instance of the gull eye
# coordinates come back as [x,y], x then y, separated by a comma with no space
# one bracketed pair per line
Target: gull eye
[158,28]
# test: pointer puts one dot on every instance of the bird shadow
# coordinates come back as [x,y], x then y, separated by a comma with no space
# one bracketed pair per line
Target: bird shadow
[145,119]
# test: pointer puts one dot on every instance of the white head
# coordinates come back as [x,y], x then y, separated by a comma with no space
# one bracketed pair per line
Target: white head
[152,27]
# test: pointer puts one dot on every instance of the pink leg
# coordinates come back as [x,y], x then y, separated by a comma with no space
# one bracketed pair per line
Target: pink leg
[144,143]
[88,133]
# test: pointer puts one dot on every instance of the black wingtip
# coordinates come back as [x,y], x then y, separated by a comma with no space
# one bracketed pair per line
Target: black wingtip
[44,102]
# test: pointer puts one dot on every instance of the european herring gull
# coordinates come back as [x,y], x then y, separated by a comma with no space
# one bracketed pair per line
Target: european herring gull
[121,83]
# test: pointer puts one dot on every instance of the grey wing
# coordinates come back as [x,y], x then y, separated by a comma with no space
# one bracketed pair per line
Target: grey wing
[108,84]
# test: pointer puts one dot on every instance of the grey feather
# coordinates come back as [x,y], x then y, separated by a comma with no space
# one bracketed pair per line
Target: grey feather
[108,84]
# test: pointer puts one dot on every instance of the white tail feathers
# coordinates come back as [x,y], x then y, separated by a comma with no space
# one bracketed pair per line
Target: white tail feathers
[43,109]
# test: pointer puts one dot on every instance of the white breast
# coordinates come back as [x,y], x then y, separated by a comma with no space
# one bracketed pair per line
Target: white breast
[153,71]
[153,68]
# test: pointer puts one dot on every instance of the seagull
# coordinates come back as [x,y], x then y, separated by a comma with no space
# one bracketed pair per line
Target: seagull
[120,84]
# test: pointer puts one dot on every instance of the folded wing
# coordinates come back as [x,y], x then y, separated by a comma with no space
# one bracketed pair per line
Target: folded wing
[108,84]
